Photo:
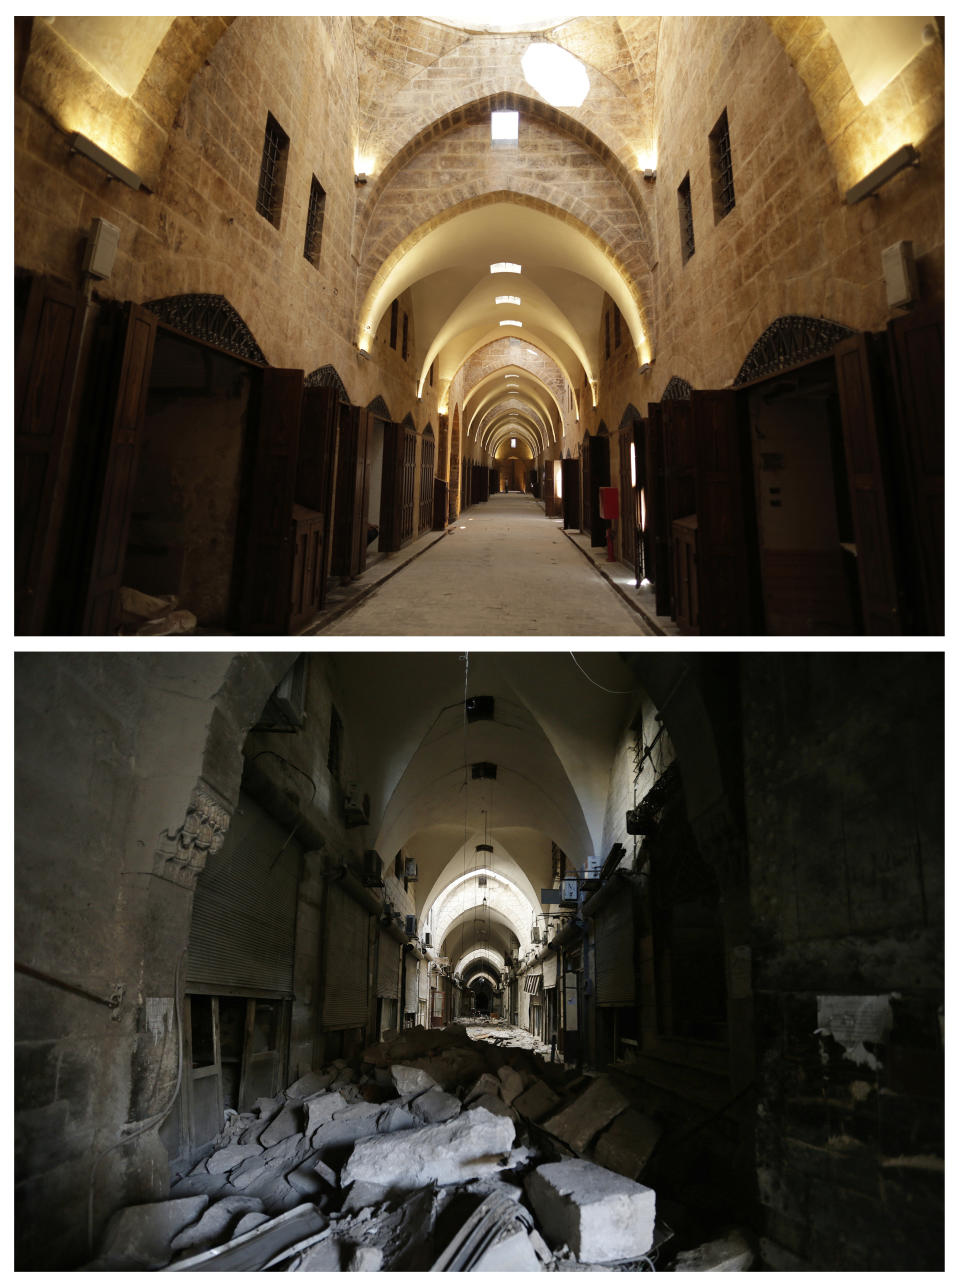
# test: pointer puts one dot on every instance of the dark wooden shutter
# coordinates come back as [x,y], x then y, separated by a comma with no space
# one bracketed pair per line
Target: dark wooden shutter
[586,463]
[628,497]
[48,345]
[598,453]
[427,458]
[549,971]
[855,360]
[345,1001]
[388,967]
[267,515]
[317,462]
[128,402]
[439,504]
[613,930]
[658,528]
[726,515]
[549,498]
[916,341]
[242,932]
[390,486]
[571,493]
[350,514]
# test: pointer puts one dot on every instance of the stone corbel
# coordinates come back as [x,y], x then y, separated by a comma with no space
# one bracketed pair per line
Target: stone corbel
[182,853]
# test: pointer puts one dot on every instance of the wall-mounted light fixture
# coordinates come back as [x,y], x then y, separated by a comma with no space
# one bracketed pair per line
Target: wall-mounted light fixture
[362,352]
[650,175]
[360,179]
[900,160]
[80,143]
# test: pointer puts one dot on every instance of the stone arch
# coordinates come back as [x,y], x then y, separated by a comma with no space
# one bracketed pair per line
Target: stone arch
[428,431]
[212,319]
[677,390]
[379,408]
[327,377]
[630,414]
[602,430]
[790,341]
[407,422]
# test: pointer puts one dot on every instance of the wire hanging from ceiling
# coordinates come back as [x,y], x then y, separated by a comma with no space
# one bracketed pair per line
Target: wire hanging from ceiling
[615,692]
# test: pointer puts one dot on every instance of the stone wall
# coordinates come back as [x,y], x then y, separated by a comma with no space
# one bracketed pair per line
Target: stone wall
[843,786]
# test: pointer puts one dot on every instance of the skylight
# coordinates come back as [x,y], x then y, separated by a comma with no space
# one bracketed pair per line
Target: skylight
[555,74]
[504,127]
[508,299]
[505,267]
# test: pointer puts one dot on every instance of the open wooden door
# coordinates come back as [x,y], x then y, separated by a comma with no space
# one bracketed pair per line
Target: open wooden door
[267,568]
[350,509]
[628,495]
[317,466]
[396,495]
[679,482]
[657,533]
[726,520]
[113,498]
[598,455]
[916,342]
[857,382]
[570,472]
[48,345]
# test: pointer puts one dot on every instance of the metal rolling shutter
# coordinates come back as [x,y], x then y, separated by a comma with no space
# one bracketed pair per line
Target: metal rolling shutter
[388,967]
[345,961]
[412,985]
[549,972]
[613,934]
[245,910]
[424,980]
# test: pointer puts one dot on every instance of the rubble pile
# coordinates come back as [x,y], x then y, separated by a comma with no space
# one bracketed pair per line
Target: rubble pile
[429,1152]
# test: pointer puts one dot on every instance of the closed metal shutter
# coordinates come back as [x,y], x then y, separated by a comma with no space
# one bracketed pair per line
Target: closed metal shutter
[549,972]
[245,910]
[613,934]
[388,967]
[424,980]
[411,985]
[345,961]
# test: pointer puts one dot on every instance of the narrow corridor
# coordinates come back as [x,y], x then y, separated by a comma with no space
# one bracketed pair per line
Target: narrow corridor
[503,569]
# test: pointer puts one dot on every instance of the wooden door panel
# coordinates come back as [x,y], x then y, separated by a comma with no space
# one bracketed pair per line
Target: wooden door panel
[598,450]
[46,373]
[265,602]
[855,360]
[317,467]
[658,529]
[129,397]
[390,487]
[350,518]
[571,493]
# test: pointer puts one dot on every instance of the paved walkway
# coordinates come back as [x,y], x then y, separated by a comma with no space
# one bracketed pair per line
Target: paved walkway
[504,569]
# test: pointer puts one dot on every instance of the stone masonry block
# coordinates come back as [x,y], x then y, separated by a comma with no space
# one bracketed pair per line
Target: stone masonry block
[600,1215]
[473,1145]
[587,1115]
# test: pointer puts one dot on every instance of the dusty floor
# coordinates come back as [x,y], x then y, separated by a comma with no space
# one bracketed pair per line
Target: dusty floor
[503,569]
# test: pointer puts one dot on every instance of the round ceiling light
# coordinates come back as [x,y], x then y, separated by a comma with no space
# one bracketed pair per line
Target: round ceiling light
[555,74]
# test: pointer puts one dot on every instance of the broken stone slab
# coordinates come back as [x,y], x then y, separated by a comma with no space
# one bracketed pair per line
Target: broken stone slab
[363,1196]
[196,1185]
[339,1134]
[248,1172]
[475,1143]
[730,1254]
[287,1121]
[140,1236]
[346,1076]
[246,1223]
[411,1080]
[311,1083]
[230,1157]
[397,1117]
[293,1146]
[308,1180]
[511,1083]
[493,1103]
[435,1106]
[321,1109]
[627,1145]
[261,1246]
[600,1215]
[359,1111]
[212,1226]
[537,1101]
[587,1115]
[365,1259]
[486,1084]
[324,1257]
[512,1254]
[352,1093]
[266,1108]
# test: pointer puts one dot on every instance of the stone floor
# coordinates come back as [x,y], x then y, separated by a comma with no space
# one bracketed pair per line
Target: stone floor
[503,569]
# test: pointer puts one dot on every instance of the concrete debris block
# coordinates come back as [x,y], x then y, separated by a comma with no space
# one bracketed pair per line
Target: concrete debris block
[730,1254]
[435,1106]
[511,1083]
[601,1215]
[140,1236]
[473,1144]
[486,1084]
[336,1136]
[512,1254]
[397,1117]
[247,1223]
[286,1122]
[212,1226]
[363,1196]
[493,1103]
[312,1083]
[587,1115]
[229,1158]
[626,1146]
[411,1080]
[365,1259]
[322,1108]
[537,1101]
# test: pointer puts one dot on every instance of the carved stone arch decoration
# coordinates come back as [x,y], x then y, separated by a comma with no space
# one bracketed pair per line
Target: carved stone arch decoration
[327,377]
[428,431]
[677,390]
[602,430]
[629,416]
[790,341]
[407,423]
[210,318]
[567,456]
[379,408]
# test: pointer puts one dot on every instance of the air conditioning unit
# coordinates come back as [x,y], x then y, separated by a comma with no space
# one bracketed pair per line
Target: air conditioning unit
[356,806]
[410,871]
[410,925]
[372,869]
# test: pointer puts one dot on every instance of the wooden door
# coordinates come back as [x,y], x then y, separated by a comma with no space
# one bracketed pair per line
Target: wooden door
[857,361]
[679,481]
[728,569]
[427,466]
[549,497]
[408,480]
[317,466]
[657,527]
[586,462]
[307,581]
[264,600]
[112,498]
[391,486]
[916,343]
[685,588]
[598,453]
[571,493]
[350,505]
[628,498]
[48,345]
[439,504]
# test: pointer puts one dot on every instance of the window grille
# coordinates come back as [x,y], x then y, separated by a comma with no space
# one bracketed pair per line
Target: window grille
[394,320]
[724,198]
[273,171]
[314,234]
[687,246]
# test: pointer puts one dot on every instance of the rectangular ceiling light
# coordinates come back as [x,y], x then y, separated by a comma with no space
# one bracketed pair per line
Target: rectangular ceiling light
[508,299]
[504,127]
[504,267]
[511,323]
